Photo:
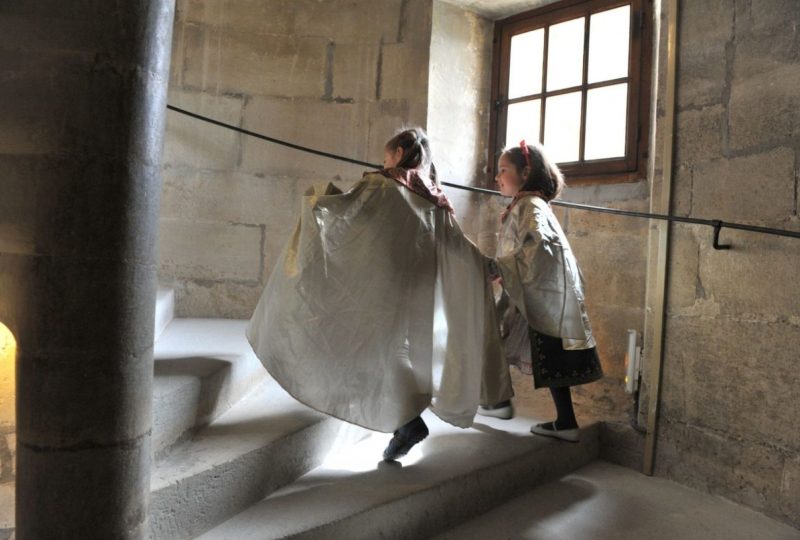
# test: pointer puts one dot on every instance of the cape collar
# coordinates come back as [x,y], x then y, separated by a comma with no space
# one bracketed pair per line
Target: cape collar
[519,196]
[424,187]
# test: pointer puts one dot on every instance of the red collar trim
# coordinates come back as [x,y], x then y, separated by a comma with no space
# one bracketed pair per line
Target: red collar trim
[425,188]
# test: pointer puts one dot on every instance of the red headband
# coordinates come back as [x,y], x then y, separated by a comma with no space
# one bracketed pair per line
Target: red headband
[525,152]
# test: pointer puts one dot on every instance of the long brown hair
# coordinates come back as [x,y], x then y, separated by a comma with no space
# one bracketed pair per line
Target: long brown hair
[544,176]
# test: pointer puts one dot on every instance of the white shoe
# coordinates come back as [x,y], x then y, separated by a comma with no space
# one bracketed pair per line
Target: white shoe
[569,435]
[503,413]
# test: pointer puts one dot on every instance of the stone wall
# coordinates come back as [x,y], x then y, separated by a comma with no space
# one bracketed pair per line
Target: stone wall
[341,76]
[459,94]
[730,421]
[612,252]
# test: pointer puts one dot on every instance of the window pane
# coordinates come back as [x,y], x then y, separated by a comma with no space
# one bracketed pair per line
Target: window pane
[565,54]
[562,127]
[609,39]
[523,122]
[606,119]
[525,71]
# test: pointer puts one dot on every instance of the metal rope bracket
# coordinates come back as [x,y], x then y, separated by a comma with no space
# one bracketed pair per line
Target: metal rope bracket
[717,228]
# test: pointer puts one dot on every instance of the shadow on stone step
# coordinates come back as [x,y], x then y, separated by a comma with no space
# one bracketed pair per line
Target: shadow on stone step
[193,388]
[190,366]
[487,429]
[279,424]
[566,493]
[559,498]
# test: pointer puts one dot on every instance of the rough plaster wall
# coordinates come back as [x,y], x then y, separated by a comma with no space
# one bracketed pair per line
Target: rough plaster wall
[339,75]
[730,419]
[459,91]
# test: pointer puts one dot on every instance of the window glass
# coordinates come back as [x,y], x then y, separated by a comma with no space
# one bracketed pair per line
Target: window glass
[523,121]
[562,127]
[608,44]
[606,109]
[527,54]
[565,55]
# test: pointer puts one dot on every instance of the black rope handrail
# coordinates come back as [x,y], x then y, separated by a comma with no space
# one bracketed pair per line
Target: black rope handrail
[717,224]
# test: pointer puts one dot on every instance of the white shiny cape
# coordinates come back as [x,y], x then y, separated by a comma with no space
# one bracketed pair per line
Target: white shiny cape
[540,273]
[380,307]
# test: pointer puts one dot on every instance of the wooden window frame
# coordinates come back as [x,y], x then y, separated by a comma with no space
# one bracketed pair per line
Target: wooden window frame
[633,166]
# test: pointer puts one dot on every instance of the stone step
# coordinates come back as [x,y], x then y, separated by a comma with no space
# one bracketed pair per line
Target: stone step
[202,367]
[165,310]
[602,501]
[265,441]
[451,477]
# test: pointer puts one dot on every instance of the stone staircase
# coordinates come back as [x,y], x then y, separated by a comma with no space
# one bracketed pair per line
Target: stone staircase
[236,457]
[225,434]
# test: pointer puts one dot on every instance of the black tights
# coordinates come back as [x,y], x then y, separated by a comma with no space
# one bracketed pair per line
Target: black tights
[413,430]
[562,397]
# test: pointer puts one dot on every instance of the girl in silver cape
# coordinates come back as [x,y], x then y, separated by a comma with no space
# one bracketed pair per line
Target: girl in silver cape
[379,307]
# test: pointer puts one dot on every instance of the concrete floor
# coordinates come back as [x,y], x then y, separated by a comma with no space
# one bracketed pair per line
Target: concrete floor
[604,501]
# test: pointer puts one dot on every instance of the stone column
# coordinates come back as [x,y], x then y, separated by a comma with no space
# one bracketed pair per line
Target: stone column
[82,106]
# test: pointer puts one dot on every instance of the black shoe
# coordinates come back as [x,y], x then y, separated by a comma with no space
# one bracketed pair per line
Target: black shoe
[405,438]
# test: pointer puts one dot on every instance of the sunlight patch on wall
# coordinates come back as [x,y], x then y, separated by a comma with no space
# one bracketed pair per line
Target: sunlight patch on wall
[8,354]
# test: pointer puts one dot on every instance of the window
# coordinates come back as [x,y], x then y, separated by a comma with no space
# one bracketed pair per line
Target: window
[575,76]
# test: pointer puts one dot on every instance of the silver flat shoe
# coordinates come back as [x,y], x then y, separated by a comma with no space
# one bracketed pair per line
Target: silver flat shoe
[569,435]
[503,411]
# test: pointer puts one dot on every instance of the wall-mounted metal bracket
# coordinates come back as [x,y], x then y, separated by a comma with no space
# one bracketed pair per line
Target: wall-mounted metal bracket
[717,229]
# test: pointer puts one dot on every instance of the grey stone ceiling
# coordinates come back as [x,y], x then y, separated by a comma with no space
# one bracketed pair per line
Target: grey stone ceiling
[499,9]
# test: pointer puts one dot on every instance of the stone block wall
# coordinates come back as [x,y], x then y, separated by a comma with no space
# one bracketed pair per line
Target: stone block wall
[459,94]
[730,419]
[612,253]
[341,76]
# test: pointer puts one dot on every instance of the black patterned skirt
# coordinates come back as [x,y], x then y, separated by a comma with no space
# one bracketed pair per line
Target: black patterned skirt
[555,367]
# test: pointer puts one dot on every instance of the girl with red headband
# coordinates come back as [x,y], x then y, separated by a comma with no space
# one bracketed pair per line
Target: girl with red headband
[544,284]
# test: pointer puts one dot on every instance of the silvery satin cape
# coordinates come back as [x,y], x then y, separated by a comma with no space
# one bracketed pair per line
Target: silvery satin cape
[540,273]
[380,307]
